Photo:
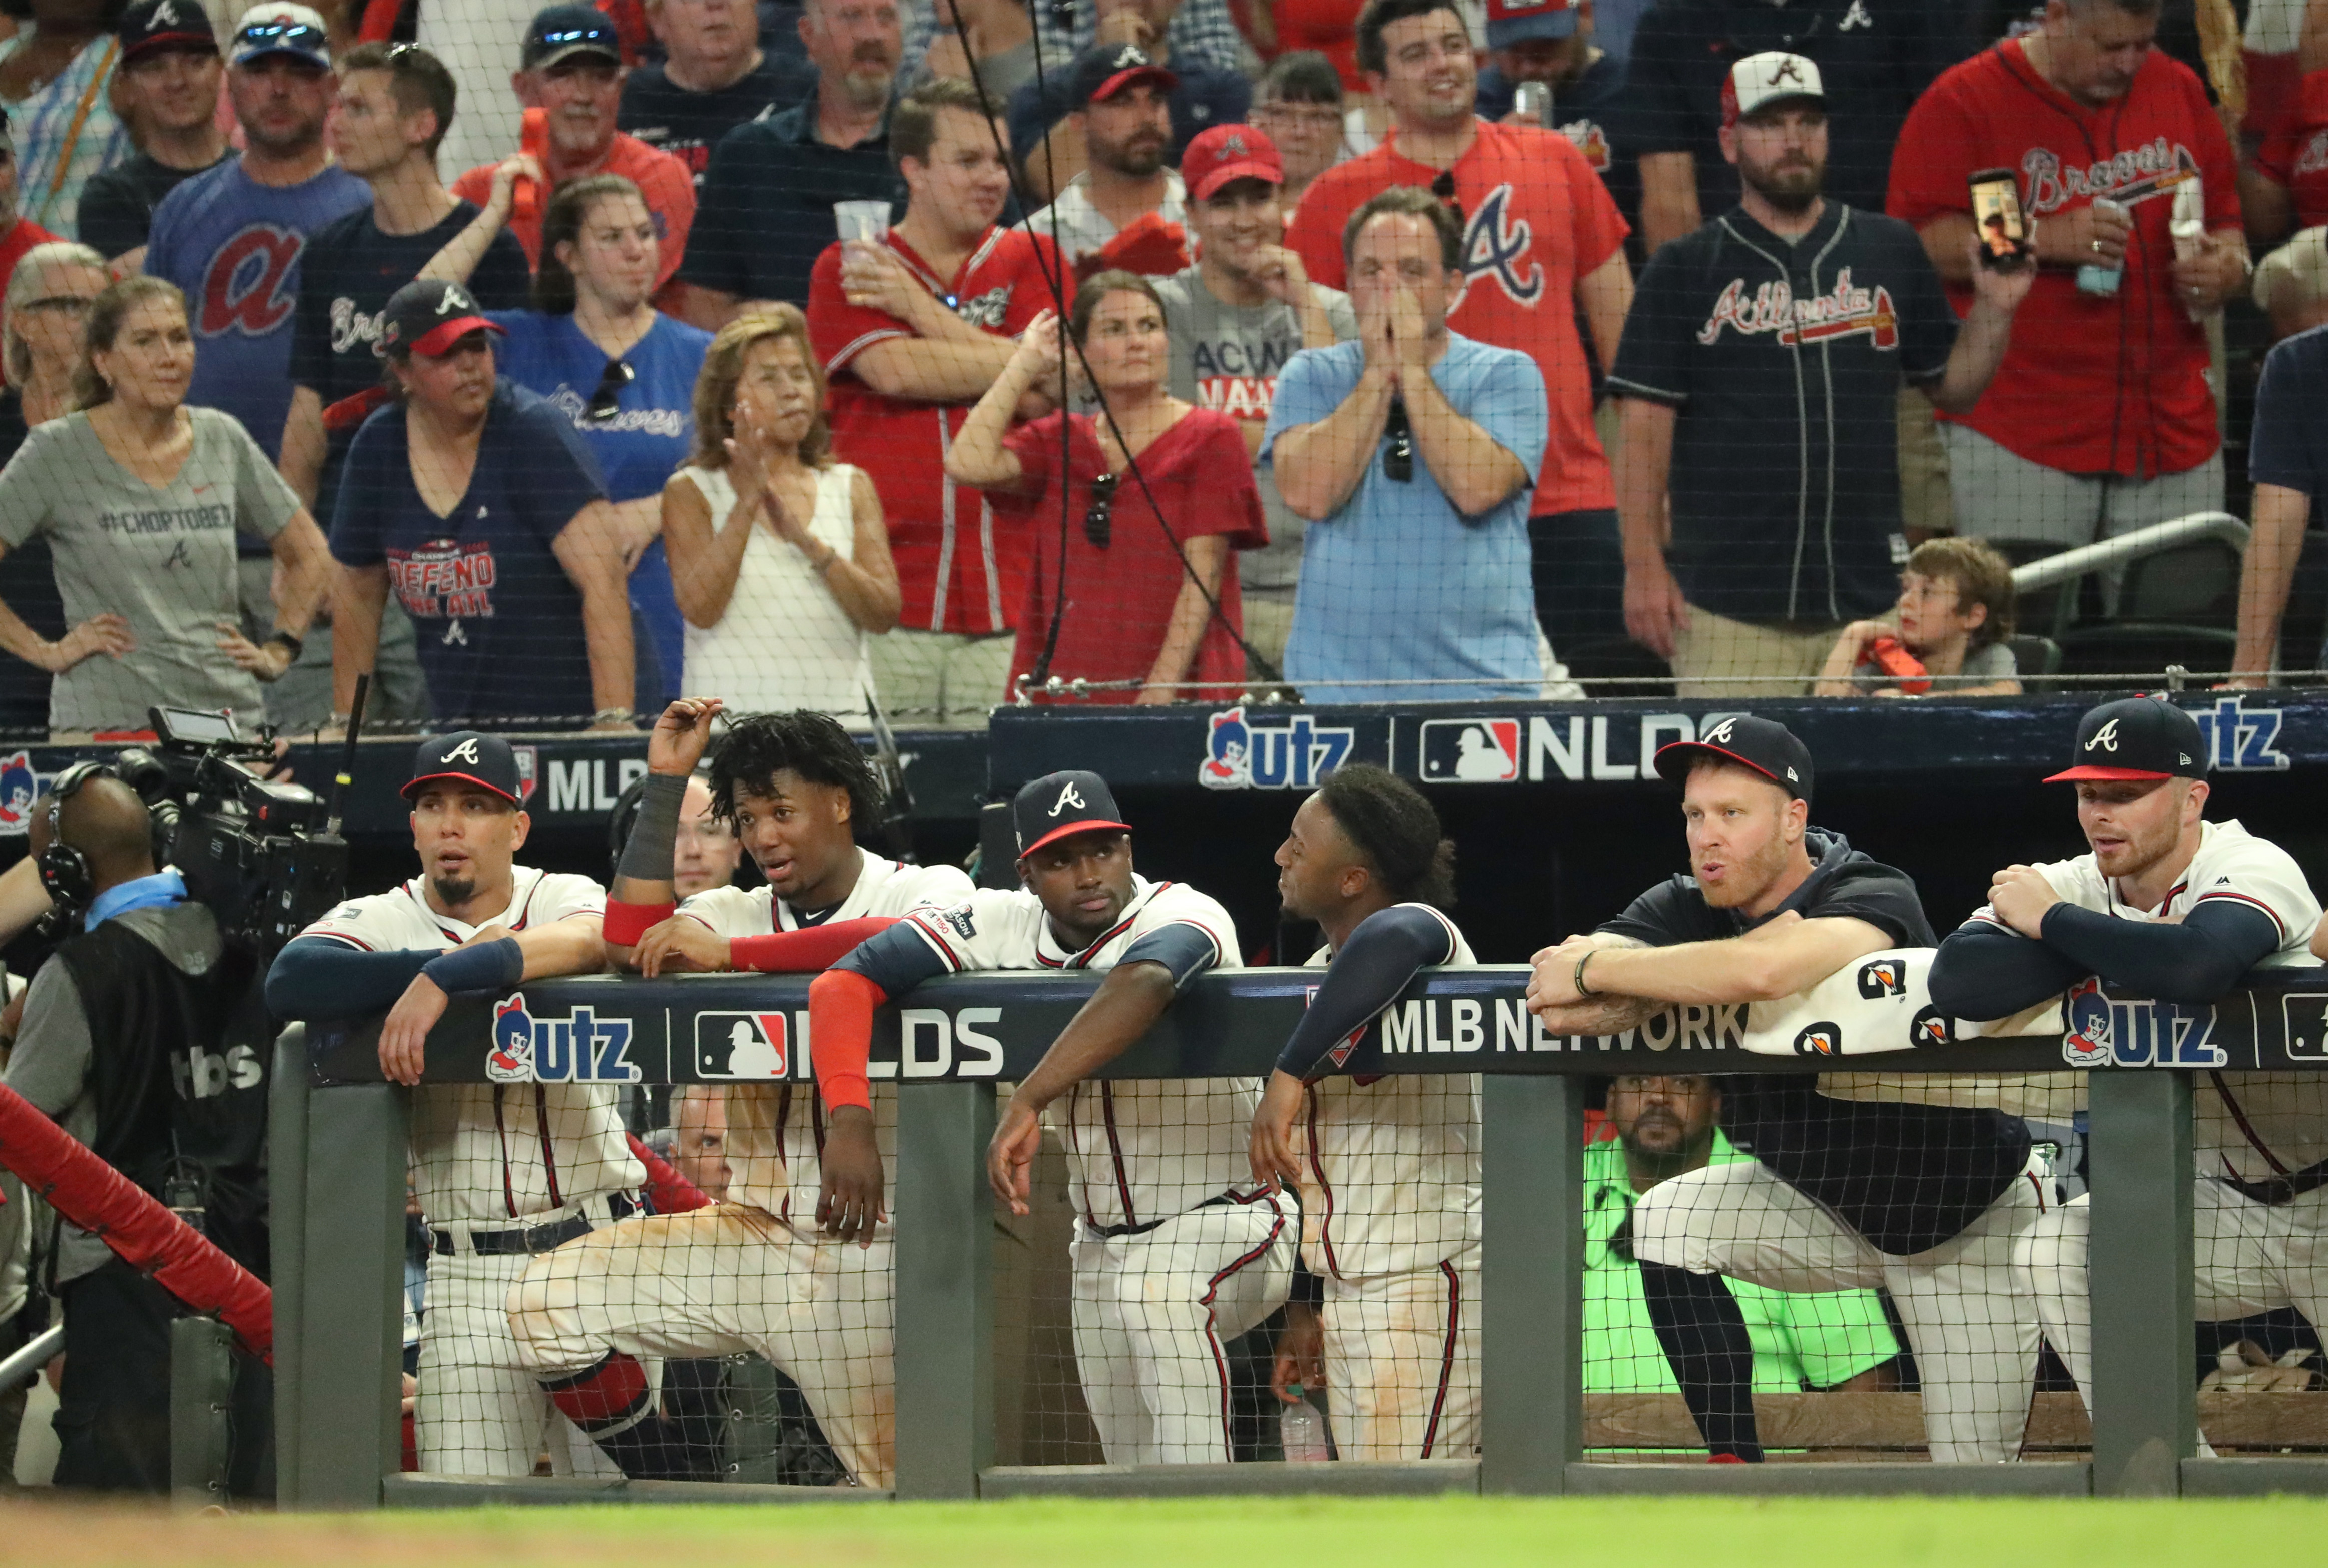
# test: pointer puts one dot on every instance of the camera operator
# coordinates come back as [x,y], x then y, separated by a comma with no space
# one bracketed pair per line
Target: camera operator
[129,1041]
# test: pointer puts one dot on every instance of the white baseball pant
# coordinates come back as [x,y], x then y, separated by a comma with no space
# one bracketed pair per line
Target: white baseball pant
[480,1411]
[1153,1313]
[2251,1257]
[1970,1317]
[726,1280]
[1403,1362]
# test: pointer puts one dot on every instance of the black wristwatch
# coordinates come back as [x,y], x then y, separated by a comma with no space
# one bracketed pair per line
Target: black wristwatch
[288,640]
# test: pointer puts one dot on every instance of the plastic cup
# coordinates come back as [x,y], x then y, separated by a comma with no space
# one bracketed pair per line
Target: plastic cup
[862,219]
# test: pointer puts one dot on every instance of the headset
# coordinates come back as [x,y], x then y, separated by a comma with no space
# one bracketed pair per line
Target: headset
[66,875]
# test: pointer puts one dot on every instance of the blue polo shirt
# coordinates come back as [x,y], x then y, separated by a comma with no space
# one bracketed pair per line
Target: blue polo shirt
[651,434]
[764,211]
[498,622]
[1398,586]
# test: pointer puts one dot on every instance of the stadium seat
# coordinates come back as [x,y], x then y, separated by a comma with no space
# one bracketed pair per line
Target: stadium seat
[2194,584]
[2143,650]
[2036,658]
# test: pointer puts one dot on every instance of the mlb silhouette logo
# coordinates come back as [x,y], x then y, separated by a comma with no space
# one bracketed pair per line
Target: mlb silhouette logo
[742,1045]
[1471,750]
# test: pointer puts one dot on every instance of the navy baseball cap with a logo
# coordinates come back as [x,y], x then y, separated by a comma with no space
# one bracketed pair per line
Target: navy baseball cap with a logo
[2136,737]
[428,318]
[562,31]
[1107,69]
[1059,803]
[1764,744]
[467,756]
[151,26]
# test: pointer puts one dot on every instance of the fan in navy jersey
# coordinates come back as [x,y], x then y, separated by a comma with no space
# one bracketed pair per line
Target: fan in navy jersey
[714,76]
[476,501]
[1929,1203]
[169,71]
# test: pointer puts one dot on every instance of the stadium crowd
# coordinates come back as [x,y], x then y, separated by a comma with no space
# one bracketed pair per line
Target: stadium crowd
[1688,363]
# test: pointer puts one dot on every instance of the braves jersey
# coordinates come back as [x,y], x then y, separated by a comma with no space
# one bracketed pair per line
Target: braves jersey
[1783,363]
[961,566]
[776,1131]
[233,246]
[482,1152]
[2090,383]
[1137,1152]
[1391,1180]
[1537,220]
[2249,1126]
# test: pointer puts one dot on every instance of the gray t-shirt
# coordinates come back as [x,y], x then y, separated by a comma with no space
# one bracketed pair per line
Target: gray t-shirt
[1985,668]
[1226,358]
[163,558]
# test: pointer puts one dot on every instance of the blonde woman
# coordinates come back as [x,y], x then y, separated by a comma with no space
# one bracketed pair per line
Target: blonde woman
[779,556]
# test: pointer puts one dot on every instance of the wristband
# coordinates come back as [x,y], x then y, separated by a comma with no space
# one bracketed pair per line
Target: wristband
[626,923]
[489,967]
[288,640]
[1581,989]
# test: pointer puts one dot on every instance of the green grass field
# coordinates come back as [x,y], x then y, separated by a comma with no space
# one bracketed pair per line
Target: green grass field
[1654,1532]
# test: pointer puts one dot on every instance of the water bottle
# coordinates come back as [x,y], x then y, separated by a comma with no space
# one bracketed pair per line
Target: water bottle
[1302,1433]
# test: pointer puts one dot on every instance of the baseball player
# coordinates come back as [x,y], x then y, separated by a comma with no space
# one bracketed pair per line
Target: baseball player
[2176,908]
[751,1274]
[1925,1201]
[503,1170]
[1174,1257]
[1388,1168]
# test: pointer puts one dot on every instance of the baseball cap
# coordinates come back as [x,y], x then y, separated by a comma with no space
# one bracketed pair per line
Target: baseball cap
[1059,803]
[560,31]
[1773,77]
[2135,737]
[153,25]
[1764,744]
[1106,69]
[471,757]
[280,28]
[428,318]
[1511,22]
[1226,153]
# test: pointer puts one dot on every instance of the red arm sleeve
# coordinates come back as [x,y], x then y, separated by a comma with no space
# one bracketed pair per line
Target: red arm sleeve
[841,1004]
[810,948]
[626,923]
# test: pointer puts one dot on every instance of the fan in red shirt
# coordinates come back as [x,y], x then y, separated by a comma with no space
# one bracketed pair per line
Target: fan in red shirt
[2291,192]
[2100,419]
[1134,581]
[911,331]
[1541,241]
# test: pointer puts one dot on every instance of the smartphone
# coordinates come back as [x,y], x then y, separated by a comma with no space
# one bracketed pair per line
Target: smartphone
[1996,217]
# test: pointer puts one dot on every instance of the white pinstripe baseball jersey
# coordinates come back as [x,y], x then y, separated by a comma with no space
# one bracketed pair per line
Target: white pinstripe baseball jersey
[775,1131]
[1137,1152]
[2251,1126]
[1390,1183]
[497,1152]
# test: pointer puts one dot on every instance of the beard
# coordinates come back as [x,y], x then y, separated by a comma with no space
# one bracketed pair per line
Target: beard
[1791,187]
[1749,876]
[453,891]
[869,80]
[1139,157]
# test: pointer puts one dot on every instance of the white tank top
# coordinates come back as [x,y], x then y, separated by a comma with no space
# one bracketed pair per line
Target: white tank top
[785,641]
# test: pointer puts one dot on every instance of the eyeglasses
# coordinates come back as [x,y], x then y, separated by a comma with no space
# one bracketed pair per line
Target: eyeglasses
[1321,118]
[609,396]
[1398,463]
[1099,519]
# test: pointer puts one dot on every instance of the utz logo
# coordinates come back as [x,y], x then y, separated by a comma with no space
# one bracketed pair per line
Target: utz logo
[2103,1033]
[2086,1019]
[1290,753]
[1883,976]
[1931,1027]
[742,1045]
[1471,750]
[2241,739]
[20,787]
[1819,1039]
[529,769]
[575,1049]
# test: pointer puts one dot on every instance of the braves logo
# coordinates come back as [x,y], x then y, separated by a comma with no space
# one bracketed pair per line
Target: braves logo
[464,752]
[2135,175]
[986,311]
[2086,1041]
[1496,243]
[247,287]
[1720,734]
[1844,311]
[2105,738]
[19,787]
[1068,796]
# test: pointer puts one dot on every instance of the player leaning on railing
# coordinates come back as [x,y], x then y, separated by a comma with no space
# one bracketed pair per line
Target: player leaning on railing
[2169,905]
[1174,1254]
[754,1275]
[1925,1201]
[1388,1168]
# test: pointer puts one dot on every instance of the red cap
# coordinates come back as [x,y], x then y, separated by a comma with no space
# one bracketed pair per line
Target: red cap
[1226,153]
[438,340]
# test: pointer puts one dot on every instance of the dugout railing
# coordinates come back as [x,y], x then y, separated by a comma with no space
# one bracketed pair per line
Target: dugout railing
[338,1152]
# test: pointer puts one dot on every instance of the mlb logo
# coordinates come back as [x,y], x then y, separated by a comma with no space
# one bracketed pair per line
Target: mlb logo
[19,787]
[2304,1015]
[1471,750]
[742,1045]
[529,768]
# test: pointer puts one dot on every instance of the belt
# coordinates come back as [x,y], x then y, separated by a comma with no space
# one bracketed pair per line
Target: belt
[1112,1230]
[526,1241]
[2282,1189]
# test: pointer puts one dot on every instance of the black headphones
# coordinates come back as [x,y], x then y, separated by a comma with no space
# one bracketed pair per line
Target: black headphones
[66,874]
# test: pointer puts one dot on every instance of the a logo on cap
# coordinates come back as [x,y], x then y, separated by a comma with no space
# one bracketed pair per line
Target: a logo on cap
[1068,796]
[1233,143]
[2105,738]
[165,15]
[1784,70]
[464,752]
[1129,56]
[1720,734]
[454,300]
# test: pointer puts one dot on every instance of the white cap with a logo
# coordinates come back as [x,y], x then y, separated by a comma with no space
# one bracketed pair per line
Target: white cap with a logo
[1774,76]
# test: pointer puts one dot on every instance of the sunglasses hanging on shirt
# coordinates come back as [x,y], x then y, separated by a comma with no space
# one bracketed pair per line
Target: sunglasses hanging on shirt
[608,398]
[1398,463]
[1099,519]
[1443,187]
